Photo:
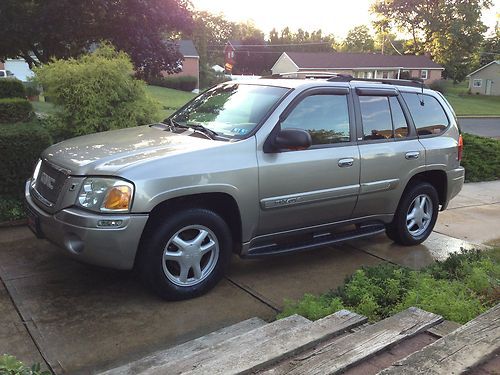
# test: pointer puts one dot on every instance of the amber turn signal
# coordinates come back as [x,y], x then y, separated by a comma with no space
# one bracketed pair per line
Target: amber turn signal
[118,198]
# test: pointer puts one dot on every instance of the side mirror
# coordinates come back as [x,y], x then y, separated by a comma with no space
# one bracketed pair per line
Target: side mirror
[292,139]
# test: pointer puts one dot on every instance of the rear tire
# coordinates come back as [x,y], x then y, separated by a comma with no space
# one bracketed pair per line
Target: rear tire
[415,216]
[186,254]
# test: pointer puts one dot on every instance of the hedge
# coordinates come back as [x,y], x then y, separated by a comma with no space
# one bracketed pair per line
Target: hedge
[20,146]
[15,110]
[11,88]
[184,83]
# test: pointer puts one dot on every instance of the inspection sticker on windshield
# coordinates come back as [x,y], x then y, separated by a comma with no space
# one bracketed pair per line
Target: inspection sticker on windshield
[241,131]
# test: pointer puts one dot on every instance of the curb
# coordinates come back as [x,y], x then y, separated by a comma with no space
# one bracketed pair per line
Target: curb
[13,223]
[479,116]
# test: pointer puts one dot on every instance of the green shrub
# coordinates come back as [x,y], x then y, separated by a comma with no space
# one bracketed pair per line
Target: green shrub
[312,307]
[209,78]
[21,145]
[439,85]
[15,110]
[9,365]
[11,208]
[31,89]
[97,92]
[11,88]
[184,83]
[481,158]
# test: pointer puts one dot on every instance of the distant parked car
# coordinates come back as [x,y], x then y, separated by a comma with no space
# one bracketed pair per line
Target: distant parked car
[257,168]
[6,73]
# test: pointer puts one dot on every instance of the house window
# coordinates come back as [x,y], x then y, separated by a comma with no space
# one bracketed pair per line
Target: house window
[477,83]
[424,74]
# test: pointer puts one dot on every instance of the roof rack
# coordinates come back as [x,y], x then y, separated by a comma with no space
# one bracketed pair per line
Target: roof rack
[416,82]
[307,75]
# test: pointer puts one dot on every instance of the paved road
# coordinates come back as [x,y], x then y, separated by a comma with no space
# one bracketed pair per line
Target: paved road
[486,127]
[78,319]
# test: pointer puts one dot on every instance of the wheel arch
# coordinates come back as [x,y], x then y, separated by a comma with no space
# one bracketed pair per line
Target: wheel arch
[223,204]
[436,178]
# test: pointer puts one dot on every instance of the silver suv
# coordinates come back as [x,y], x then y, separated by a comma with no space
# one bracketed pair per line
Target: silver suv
[259,168]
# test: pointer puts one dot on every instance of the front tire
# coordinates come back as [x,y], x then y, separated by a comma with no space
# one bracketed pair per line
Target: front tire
[186,254]
[416,215]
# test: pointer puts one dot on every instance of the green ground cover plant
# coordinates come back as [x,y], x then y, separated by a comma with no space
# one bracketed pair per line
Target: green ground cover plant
[9,365]
[459,288]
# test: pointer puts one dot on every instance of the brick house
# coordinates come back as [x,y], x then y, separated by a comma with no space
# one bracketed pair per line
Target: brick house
[360,65]
[191,63]
[229,52]
[486,80]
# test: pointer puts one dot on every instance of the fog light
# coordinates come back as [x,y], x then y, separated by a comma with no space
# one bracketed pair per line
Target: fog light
[109,223]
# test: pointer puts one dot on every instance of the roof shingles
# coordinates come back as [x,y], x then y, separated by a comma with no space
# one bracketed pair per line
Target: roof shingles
[340,60]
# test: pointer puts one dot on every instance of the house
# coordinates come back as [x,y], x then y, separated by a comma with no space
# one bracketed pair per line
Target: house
[229,52]
[486,80]
[360,65]
[191,63]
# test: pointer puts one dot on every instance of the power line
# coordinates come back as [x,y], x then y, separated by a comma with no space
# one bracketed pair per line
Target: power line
[273,45]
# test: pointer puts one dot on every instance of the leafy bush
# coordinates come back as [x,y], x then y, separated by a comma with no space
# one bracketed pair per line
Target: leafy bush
[184,83]
[9,365]
[481,158]
[210,78]
[21,145]
[459,288]
[11,208]
[15,110]
[31,89]
[97,92]
[11,88]
[439,85]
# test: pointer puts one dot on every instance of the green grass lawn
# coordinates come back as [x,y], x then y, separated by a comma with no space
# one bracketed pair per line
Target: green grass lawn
[470,105]
[169,99]
[44,107]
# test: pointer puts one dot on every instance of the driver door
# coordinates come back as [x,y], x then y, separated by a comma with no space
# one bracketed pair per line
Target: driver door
[303,188]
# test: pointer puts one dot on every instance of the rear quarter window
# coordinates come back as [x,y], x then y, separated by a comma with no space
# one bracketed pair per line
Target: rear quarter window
[427,113]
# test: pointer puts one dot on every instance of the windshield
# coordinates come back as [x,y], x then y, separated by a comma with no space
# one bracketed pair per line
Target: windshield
[231,110]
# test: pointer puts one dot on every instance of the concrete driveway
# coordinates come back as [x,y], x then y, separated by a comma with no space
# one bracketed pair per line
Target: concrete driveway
[79,319]
[483,126]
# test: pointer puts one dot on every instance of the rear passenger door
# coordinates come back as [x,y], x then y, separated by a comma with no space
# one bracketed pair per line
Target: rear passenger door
[390,151]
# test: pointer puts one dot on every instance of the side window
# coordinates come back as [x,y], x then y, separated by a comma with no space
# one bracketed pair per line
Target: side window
[376,117]
[428,115]
[398,119]
[325,117]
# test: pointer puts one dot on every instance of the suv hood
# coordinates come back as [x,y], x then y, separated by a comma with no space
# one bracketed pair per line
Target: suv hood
[107,152]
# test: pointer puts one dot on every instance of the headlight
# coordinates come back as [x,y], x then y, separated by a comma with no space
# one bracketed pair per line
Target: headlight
[106,195]
[36,171]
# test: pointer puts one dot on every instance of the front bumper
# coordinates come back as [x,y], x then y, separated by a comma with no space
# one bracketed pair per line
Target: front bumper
[81,234]
[455,179]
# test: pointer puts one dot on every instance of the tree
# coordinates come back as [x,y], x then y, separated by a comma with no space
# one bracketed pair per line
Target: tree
[450,30]
[39,30]
[491,47]
[359,39]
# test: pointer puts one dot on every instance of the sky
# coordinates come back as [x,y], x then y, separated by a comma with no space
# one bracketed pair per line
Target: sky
[331,16]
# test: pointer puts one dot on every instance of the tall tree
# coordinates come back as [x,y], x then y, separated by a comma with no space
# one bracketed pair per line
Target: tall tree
[450,30]
[359,39]
[66,28]
[491,47]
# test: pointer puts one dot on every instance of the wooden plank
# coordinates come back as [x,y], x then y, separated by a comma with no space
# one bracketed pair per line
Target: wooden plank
[341,354]
[444,328]
[459,351]
[253,338]
[165,356]
[245,359]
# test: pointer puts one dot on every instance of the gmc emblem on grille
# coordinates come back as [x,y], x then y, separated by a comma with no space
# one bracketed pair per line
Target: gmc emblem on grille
[47,180]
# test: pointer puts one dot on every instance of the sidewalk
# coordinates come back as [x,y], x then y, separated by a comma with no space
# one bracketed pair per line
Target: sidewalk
[80,319]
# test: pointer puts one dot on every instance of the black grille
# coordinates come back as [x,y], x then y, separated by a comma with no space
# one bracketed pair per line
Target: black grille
[49,182]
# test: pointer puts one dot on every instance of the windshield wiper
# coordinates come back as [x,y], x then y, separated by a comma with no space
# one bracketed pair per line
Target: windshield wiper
[198,127]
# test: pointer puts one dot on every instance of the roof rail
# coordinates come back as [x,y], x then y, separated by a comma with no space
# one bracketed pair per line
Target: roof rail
[416,82]
[307,75]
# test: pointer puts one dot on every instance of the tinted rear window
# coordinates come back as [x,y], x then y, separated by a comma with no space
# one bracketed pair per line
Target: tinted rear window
[428,115]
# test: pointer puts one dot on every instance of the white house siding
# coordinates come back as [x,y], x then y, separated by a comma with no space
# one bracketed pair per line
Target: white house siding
[284,65]
[488,73]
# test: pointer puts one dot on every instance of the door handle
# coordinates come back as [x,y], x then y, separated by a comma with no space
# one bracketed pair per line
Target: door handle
[412,155]
[348,162]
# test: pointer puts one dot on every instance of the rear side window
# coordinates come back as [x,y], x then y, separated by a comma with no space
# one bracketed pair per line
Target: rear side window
[325,117]
[376,116]
[428,115]
[398,119]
